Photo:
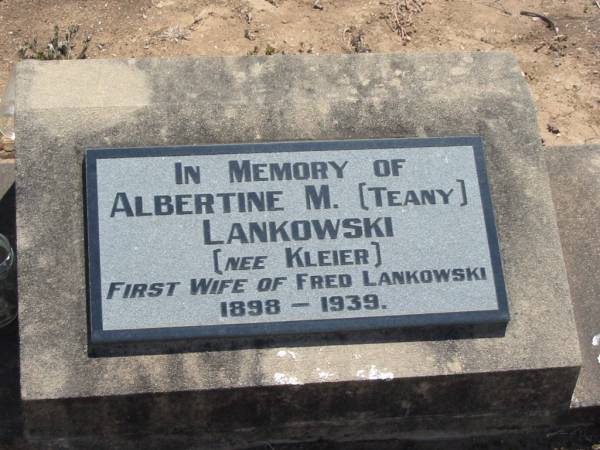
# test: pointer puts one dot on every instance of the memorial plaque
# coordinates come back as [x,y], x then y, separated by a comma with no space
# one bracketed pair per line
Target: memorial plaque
[286,238]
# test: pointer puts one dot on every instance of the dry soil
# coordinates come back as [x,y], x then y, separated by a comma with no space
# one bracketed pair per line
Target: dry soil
[562,68]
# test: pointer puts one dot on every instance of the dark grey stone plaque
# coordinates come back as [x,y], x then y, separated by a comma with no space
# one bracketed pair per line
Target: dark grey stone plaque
[286,238]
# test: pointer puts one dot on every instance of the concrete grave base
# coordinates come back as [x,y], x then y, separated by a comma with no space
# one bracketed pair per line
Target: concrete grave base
[575,180]
[301,392]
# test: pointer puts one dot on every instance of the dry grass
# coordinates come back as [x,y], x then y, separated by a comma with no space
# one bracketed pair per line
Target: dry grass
[400,17]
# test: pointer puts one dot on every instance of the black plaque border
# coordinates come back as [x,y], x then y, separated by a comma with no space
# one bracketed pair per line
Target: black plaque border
[99,337]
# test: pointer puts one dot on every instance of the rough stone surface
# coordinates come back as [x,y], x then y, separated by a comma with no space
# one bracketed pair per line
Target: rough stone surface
[64,107]
[575,180]
[7,175]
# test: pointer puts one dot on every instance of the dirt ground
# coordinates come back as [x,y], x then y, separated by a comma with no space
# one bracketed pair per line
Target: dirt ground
[563,69]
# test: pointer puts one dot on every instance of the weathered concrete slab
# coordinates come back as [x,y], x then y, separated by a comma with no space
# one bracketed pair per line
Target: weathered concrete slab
[64,107]
[575,180]
[7,175]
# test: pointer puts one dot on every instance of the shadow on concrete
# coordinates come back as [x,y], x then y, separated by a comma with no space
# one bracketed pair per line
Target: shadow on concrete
[10,406]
